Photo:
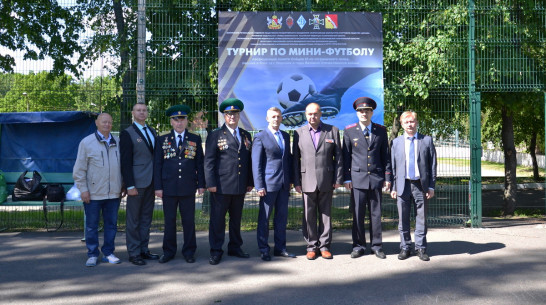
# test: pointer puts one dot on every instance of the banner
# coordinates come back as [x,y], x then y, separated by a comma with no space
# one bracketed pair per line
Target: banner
[290,59]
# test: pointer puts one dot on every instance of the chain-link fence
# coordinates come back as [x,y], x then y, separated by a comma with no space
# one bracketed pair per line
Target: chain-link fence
[436,55]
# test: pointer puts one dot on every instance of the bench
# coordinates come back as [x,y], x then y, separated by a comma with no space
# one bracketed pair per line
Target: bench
[63,178]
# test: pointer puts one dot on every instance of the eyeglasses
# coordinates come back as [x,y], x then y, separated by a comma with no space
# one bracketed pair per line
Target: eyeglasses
[231,113]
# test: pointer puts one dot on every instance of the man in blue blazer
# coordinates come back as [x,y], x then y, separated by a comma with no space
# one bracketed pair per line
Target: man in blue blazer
[178,174]
[414,176]
[367,166]
[271,166]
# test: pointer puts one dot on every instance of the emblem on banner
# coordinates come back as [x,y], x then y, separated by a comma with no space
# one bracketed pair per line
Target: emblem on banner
[301,21]
[316,22]
[290,22]
[331,22]
[274,23]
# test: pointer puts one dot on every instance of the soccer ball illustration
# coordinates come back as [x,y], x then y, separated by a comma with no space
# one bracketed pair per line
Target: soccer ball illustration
[294,89]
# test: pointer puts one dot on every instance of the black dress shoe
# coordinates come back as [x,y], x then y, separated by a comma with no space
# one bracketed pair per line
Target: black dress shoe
[404,254]
[380,254]
[215,259]
[265,257]
[165,258]
[284,253]
[238,253]
[423,255]
[149,255]
[137,260]
[357,253]
[190,259]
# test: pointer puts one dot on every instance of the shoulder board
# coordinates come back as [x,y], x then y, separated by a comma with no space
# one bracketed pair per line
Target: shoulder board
[379,125]
[351,126]
[219,128]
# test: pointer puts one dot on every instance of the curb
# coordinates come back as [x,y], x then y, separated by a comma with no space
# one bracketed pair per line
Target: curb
[492,187]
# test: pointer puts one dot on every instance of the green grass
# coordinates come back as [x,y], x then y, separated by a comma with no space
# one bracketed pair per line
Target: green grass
[33,220]
[520,213]
[524,173]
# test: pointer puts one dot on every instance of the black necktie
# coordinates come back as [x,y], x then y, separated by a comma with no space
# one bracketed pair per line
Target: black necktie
[148,137]
[179,146]
[366,135]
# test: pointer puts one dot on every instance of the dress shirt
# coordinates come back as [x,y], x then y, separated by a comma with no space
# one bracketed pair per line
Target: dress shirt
[315,134]
[407,143]
[141,127]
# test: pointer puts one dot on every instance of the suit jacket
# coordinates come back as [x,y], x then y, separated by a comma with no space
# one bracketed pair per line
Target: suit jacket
[318,168]
[366,165]
[426,162]
[228,166]
[137,158]
[270,168]
[178,173]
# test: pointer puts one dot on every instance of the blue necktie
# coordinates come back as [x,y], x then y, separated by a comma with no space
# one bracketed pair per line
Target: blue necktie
[411,164]
[279,141]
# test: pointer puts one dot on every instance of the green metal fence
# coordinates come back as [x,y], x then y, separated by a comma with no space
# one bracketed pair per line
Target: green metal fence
[439,56]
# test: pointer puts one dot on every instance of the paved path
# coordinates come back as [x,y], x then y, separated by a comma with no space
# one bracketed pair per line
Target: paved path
[503,263]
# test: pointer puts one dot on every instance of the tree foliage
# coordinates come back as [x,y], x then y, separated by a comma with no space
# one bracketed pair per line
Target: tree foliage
[41,29]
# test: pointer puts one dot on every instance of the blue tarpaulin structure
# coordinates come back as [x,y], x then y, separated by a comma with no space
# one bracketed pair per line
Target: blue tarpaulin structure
[42,141]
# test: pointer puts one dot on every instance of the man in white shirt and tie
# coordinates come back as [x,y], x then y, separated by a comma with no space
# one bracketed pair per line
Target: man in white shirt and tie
[137,169]
[367,169]
[414,177]
[271,168]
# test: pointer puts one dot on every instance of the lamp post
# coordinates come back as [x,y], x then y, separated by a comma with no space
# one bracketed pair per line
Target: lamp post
[26,100]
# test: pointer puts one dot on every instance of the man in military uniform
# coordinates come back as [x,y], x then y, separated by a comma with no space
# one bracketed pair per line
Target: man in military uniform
[178,174]
[367,169]
[228,173]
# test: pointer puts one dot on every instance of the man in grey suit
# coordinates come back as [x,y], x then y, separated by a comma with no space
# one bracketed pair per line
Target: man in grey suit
[318,170]
[414,179]
[136,149]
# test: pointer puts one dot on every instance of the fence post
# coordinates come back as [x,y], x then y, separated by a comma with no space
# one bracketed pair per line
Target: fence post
[475,124]
[141,53]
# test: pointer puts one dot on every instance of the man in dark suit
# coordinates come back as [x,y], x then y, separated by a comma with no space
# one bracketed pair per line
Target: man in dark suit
[318,170]
[137,169]
[271,166]
[178,174]
[414,176]
[367,167]
[228,173]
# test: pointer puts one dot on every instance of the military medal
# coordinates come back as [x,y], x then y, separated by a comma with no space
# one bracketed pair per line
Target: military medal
[190,150]
[247,143]
[222,144]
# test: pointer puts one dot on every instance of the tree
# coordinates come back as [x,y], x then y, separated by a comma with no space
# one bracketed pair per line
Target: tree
[508,66]
[38,92]
[40,29]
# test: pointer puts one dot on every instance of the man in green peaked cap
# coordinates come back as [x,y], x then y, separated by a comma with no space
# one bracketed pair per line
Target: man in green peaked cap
[178,174]
[229,177]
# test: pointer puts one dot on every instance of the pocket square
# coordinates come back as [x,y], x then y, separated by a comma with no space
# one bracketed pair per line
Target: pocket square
[329,140]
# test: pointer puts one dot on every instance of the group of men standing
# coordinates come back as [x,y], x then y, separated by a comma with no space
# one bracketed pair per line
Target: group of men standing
[174,167]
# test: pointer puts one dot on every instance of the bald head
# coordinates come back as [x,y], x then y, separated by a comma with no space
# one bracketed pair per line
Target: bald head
[313,115]
[104,124]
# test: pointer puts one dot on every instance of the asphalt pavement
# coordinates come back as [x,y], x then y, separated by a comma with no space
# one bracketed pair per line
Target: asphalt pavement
[502,263]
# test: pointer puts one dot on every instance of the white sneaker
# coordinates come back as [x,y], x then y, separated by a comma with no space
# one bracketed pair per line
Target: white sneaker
[112,259]
[91,262]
